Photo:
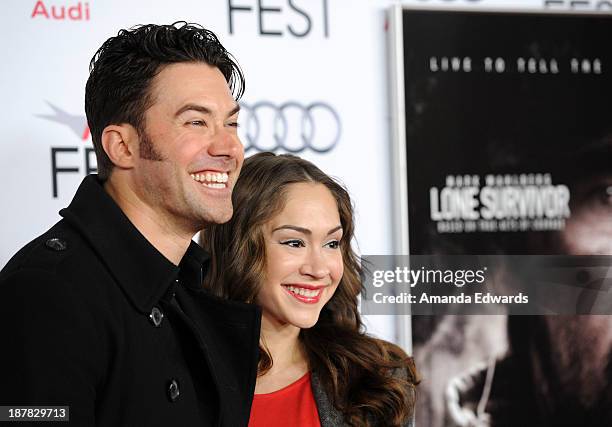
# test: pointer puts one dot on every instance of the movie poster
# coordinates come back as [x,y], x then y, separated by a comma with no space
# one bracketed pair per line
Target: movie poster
[508,124]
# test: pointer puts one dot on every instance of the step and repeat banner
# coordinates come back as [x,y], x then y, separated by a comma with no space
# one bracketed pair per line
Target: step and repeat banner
[315,85]
[327,59]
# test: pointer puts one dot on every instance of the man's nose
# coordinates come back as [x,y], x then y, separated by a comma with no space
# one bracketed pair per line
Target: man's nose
[225,143]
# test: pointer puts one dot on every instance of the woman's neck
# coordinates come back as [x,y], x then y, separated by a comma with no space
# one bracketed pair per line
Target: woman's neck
[289,362]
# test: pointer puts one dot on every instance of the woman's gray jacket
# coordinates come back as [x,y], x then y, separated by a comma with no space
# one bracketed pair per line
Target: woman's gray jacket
[328,415]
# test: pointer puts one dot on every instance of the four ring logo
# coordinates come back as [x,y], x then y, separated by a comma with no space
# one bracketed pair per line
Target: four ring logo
[291,127]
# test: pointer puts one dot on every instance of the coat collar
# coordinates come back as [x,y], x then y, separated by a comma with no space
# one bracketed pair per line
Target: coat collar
[142,271]
[228,334]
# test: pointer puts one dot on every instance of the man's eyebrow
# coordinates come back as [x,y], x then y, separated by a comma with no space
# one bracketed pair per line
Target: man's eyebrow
[234,110]
[304,230]
[203,109]
[192,107]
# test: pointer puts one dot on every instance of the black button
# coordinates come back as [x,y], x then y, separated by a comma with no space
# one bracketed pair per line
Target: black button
[177,282]
[56,244]
[173,390]
[156,317]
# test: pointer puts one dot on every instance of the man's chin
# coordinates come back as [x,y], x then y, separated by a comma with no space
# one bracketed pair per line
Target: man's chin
[217,216]
[580,363]
[224,216]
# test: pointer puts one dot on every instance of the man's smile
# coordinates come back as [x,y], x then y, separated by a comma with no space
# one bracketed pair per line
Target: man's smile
[211,179]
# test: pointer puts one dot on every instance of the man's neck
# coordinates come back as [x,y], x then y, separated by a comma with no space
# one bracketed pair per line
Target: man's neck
[159,232]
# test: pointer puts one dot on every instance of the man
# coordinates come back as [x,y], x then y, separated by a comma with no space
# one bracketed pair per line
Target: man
[546,370]
[104,312]
[558,370]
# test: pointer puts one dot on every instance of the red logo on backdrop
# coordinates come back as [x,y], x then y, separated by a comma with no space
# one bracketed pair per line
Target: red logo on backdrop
[65,12]
[66,159]
[78,124]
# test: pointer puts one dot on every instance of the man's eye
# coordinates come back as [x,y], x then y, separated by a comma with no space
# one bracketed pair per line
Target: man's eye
[602,195]
[196,122]
[334,244]
[293,243]
[233,124]
[607,196]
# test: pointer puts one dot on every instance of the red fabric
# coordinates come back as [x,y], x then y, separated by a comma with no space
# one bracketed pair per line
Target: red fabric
[293,405]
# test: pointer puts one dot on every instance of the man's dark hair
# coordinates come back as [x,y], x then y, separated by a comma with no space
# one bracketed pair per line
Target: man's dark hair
[121,72]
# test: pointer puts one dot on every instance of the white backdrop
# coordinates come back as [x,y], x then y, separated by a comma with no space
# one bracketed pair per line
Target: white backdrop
[302,51]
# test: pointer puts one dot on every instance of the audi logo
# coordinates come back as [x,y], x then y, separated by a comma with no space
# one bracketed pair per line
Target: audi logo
[291,126]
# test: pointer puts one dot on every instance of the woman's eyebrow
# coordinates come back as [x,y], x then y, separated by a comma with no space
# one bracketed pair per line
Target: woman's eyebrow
[333,230]
[304,230]
[293,227]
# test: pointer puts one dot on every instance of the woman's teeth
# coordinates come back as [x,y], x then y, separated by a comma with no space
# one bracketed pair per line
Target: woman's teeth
[211,179]
[310,293]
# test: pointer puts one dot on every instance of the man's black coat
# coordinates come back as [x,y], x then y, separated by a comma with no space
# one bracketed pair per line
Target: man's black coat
[92,316]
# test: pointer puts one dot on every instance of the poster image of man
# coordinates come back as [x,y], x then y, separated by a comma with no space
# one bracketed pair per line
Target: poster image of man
[509,151]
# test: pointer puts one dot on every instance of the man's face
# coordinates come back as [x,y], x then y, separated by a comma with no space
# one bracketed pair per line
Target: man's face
[580,347]
[190,154]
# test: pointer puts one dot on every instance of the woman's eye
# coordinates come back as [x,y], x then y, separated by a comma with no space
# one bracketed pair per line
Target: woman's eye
[334,244]
[233,124]
[293,243]
[196,122]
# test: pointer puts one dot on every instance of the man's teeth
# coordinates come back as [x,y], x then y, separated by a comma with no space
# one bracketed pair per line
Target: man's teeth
[213,185]
[211,179]
[304,292]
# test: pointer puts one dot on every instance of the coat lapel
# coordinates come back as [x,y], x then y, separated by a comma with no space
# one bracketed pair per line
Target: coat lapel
[228,334]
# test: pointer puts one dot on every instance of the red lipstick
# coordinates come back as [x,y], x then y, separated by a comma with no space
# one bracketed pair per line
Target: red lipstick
[312,298]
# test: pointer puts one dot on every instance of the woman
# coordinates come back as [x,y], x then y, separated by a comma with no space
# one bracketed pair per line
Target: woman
[288,249]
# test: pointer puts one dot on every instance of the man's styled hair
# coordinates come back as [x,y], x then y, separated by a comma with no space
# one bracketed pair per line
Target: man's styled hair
[121,72]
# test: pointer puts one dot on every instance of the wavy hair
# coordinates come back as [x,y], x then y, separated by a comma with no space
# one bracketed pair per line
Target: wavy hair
[356,371]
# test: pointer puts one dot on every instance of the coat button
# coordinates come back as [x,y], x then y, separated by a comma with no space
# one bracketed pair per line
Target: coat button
[156,317]
[173,390]
[56,244]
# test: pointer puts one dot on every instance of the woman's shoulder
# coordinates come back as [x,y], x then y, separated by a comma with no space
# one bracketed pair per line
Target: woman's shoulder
[331,417]
[401,365]
[408,374]
[328,415]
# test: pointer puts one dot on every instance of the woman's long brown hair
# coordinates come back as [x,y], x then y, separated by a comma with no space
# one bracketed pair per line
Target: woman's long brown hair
[358,372]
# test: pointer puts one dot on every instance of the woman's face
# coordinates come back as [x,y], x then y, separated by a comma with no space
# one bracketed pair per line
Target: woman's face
[303,257]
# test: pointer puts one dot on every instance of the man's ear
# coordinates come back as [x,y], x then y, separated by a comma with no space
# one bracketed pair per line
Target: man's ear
[120,142]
